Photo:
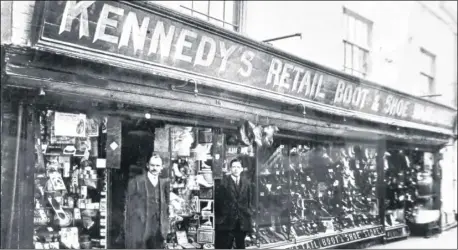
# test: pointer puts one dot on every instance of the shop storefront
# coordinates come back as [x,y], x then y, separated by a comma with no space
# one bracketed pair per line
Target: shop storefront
[331,160]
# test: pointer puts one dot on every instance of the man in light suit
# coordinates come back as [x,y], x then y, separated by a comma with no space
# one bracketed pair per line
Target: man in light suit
[233,208]
[147,213]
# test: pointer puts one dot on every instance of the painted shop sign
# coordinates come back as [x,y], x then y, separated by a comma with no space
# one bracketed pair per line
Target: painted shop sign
[397,233]
[121,31]
[340,239]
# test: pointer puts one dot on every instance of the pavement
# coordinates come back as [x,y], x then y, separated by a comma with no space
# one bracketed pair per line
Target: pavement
[445,240]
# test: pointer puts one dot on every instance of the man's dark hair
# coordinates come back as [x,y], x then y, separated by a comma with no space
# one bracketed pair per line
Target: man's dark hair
[234,160]
[153,155]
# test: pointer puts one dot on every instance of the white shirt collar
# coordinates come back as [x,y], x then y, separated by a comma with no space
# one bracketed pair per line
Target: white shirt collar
[153,179]
[235,178]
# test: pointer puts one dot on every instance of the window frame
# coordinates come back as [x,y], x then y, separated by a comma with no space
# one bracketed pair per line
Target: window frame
[347,13]
[238,9]
[430,75]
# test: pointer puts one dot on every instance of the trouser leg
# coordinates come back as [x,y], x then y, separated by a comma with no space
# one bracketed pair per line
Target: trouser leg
[239,239]
[224,239]
[155,241]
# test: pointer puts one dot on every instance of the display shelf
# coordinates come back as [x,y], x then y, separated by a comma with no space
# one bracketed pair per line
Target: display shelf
[395,227]
[423,197]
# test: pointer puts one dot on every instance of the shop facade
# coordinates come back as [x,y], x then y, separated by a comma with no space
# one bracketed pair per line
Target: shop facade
[333,160]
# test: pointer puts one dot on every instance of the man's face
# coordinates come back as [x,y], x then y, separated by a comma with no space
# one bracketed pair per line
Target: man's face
[87,221]
[155,166]
[236,169]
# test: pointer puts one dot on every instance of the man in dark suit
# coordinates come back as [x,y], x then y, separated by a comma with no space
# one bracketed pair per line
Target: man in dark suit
[147,213]
[90,224]
[233,208]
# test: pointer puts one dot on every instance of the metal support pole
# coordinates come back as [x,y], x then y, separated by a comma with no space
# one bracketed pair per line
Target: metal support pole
[283,37]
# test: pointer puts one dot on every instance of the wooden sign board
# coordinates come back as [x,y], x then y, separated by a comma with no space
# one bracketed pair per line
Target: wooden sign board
[129,35]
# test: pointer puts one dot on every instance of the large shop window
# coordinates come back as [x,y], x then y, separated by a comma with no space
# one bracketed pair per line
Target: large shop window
[107,182]
[412,195]
[310,189]
[85,198]
[222,13]
[71,181]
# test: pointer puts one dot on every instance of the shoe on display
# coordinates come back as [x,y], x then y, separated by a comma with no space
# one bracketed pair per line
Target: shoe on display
[207,224]
[243,136]
[268,133]
[300,230]
[208,207]
[205,167]
[201,181]
[257,135]
[176,172]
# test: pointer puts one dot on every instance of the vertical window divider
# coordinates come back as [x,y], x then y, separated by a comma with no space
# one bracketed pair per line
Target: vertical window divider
[224,13]
[208,10]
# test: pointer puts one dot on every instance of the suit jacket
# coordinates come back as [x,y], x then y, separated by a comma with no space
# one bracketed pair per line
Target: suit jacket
[234,202]
[93,231]
[135,226]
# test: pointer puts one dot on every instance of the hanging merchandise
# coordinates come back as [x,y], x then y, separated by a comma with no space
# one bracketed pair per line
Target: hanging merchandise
[268,135]
[252,134]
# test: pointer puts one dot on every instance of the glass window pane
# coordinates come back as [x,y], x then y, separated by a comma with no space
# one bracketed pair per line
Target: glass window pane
[431,86]
[346,24]
[229,12]
[426,63]
[365,63]
[361,59]
[202,7]
[216,9]
[187,4]
[423,63]
[273,163]
[351,28]
[356,61]
[358,30]
[176,5]
[348,56]
[365,34]
[423,85]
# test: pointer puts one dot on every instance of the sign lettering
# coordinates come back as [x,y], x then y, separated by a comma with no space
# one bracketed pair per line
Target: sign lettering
[130,35]
[397,233]
[334,240]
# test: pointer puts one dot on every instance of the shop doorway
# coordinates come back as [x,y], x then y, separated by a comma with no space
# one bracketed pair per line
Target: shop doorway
[186,155]
[137,143]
